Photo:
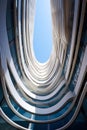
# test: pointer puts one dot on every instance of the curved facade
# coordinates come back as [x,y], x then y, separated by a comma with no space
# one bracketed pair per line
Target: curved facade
[49,95]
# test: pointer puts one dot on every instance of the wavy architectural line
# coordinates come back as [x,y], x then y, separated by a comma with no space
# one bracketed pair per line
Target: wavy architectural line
[52,92]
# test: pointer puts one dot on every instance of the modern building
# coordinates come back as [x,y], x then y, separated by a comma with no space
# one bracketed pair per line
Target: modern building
[50,95]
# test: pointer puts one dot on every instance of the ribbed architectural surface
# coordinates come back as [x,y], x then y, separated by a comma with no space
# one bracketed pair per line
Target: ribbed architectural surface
[42,95]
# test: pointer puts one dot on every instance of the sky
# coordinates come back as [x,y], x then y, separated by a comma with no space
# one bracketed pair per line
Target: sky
[42,31]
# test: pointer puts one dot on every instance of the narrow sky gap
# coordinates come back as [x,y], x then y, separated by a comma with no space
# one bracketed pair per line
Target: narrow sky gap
[42,31]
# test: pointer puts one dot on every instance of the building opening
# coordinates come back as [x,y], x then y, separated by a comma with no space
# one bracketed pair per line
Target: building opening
[42,42]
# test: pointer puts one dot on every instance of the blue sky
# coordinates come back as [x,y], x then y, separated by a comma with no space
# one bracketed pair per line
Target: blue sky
[42,31]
